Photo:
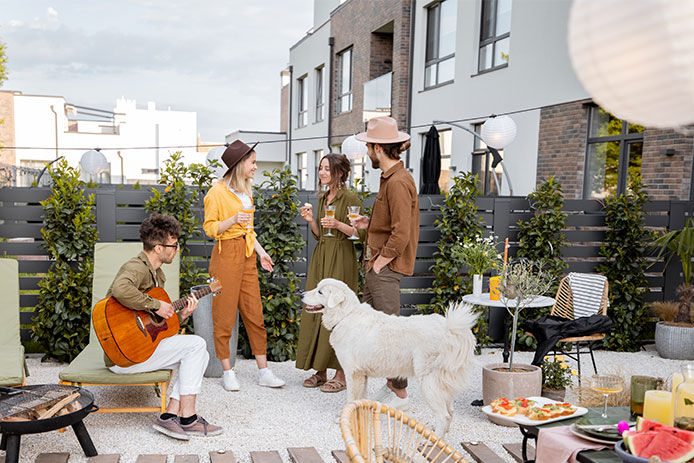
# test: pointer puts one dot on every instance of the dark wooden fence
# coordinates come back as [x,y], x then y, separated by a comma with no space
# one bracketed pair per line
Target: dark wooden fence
[119,213]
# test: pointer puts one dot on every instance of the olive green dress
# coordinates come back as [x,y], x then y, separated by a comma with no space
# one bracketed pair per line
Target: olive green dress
[333,257]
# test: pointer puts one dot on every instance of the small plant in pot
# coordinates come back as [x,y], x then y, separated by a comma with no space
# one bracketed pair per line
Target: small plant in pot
[674,337]
[556,376]
[480,255]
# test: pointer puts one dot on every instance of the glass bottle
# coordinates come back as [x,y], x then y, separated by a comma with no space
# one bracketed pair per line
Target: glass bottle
[684,399]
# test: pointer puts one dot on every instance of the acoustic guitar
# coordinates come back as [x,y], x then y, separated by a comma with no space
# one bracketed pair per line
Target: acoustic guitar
[131,336]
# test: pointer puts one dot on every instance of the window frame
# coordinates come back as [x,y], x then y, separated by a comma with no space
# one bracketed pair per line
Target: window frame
[493,39]
[479,148]
[435,61]
[320,96]
[302,106]
[625,139]
[302,170]
[318,155]
[340,96]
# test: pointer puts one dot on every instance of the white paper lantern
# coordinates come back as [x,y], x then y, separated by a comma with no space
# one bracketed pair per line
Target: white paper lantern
[216,155]
[498,132]
[636,58]
[353,148]
[93,162]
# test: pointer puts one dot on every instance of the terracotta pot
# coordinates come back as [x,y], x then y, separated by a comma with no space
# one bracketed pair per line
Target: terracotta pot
[524,381]
[554,394]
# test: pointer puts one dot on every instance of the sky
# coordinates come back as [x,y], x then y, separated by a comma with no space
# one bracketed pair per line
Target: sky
[219,58]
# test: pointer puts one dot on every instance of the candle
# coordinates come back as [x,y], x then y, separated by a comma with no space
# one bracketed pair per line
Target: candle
[657,406]
[494,291]
[505,251]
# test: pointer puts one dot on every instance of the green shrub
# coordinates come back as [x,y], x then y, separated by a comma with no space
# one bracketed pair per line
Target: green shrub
[624,249]
[62,315]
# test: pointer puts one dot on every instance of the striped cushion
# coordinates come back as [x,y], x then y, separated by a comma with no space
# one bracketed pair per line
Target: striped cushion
[586,291]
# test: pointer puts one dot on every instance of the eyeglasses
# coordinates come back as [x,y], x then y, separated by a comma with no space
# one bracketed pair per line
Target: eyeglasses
[169,245]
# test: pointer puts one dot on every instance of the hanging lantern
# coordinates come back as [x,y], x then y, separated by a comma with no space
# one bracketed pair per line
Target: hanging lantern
[353,148]
[498,132]
[215,154]
[93,162]
[636,58]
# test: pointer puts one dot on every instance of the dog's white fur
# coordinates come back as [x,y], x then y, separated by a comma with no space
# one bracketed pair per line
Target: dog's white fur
[436,350]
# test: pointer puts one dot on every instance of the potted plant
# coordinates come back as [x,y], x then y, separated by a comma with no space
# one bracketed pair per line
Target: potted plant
[520,283]
[674,338]
[556,375]
[480,255]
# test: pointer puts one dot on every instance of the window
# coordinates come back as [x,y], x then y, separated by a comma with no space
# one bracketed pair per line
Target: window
[302,120]
[482,166]
[439,66]
[302,170]
[359,173]
[318,155]
[495,32]
[613,154]
[344,81]
[319,94]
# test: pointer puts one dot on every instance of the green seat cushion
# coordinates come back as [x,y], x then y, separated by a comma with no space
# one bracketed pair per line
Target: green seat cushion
[88,367]
[12,365]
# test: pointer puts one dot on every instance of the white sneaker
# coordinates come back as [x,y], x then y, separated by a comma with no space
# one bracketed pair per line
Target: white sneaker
[397,403]
[268,379]
[229,381]
[382,394]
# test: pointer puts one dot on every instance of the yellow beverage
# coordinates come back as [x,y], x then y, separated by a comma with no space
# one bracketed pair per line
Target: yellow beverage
[352,216]
[607,390]
[677,379]
[657,406]
[330,213]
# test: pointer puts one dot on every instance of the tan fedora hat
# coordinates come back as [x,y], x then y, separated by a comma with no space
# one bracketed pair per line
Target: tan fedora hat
[235,152]
[382,129]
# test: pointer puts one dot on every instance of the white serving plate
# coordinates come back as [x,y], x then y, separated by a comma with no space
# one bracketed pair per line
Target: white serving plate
[524,420]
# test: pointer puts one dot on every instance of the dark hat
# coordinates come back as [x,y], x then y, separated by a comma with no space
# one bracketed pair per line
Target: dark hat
[235,152]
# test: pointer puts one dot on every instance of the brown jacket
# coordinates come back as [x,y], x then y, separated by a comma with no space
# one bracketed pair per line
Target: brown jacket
[394,226]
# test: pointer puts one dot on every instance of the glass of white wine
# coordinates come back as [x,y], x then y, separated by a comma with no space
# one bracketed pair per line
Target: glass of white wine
[606,385]
[353,215]
[329,212]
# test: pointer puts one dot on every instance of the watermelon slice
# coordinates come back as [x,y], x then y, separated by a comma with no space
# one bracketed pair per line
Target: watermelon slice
[643,424]
[649,425]
[637,441]
[668,448]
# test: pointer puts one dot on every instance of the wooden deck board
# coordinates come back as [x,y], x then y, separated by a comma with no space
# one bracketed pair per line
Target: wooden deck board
[151,459]
[52,458]
[271,456]
[340,456]
[112,458]
[515,449]
[222,456]
[304,455]
[481,453]
[186,459]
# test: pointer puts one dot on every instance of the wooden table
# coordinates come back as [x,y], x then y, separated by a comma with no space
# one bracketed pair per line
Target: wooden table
[607,455]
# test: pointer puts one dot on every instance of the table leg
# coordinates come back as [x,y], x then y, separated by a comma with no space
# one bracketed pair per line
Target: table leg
[524,448]
[12,448]
[84,439]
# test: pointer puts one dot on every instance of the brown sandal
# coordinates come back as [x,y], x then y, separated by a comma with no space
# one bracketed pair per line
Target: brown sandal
[334,385]
[314,381]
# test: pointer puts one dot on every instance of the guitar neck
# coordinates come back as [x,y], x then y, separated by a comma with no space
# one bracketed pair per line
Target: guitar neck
[181,303]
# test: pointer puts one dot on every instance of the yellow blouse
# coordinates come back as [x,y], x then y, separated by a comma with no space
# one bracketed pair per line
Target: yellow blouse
[220,204]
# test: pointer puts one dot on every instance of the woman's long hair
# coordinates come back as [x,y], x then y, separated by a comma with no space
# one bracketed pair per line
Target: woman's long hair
[236,181]
[339,169]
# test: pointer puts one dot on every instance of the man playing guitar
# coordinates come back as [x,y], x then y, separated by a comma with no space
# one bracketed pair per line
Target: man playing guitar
[159,235]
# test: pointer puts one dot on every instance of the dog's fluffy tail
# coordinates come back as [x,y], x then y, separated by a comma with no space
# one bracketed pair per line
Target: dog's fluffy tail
[459,345]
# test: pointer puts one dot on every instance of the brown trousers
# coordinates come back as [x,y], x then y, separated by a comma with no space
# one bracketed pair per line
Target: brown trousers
[382,292]
[240,289]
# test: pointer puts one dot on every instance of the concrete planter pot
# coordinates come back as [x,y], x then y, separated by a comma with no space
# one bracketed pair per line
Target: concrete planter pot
[524,381]
[674,342]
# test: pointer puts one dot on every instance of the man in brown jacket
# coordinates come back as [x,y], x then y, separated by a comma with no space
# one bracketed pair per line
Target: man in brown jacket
[393,232]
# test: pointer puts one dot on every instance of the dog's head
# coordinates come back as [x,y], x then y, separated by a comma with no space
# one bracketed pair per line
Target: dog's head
[331,297]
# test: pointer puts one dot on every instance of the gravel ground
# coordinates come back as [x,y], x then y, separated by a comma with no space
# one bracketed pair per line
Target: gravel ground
[258,418]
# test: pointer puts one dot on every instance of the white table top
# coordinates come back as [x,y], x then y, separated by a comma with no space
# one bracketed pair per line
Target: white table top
[483,299]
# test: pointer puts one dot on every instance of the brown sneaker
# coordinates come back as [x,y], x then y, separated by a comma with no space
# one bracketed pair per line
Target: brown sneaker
[171,427]
[201,427]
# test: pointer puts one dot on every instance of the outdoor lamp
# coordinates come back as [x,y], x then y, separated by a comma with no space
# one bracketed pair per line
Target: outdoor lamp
[353,148]
[636,59]
[215,154]
[93,162]
[498,131]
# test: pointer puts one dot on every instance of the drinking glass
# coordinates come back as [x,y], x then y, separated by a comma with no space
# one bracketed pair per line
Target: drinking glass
[639,386]
[249,225]
[606,384]
[353,215]
[329,212]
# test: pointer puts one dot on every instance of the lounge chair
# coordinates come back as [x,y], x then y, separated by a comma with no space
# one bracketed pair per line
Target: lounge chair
[12,367]
[375,432]
[88,368]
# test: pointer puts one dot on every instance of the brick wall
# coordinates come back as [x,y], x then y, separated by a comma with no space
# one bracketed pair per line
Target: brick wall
[562,149]
[7,127]
[353,25]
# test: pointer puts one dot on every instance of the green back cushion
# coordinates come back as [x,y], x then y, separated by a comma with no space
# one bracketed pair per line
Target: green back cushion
[9,302]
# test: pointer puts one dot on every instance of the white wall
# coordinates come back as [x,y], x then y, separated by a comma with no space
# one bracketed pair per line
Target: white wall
[539,73]
[35,127]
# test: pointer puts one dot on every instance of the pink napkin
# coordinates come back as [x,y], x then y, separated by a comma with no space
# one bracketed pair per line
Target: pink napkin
[558,445]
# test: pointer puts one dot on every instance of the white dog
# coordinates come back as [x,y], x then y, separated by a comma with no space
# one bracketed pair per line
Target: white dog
[436,350]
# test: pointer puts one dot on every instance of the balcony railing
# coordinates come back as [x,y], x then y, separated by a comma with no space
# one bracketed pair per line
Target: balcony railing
[378,96]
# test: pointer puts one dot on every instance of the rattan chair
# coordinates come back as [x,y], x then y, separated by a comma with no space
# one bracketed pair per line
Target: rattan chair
[564,307]
[374,432]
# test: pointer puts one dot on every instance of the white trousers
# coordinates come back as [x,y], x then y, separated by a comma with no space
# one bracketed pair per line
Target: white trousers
[187,352]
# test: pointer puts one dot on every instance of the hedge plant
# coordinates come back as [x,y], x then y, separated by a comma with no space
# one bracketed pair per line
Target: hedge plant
[541,239]
[624,248]
[62,316]
[276,208]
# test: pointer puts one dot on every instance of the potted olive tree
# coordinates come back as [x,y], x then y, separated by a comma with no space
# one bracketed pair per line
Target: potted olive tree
[674,338]
[521,282]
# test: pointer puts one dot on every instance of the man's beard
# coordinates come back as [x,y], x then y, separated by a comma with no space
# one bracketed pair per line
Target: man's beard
[374,161]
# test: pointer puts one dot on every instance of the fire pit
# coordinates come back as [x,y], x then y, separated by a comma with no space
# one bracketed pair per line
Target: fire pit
[22,410]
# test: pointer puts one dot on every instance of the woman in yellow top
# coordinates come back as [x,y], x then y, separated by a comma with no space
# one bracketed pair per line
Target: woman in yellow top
[229,220]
